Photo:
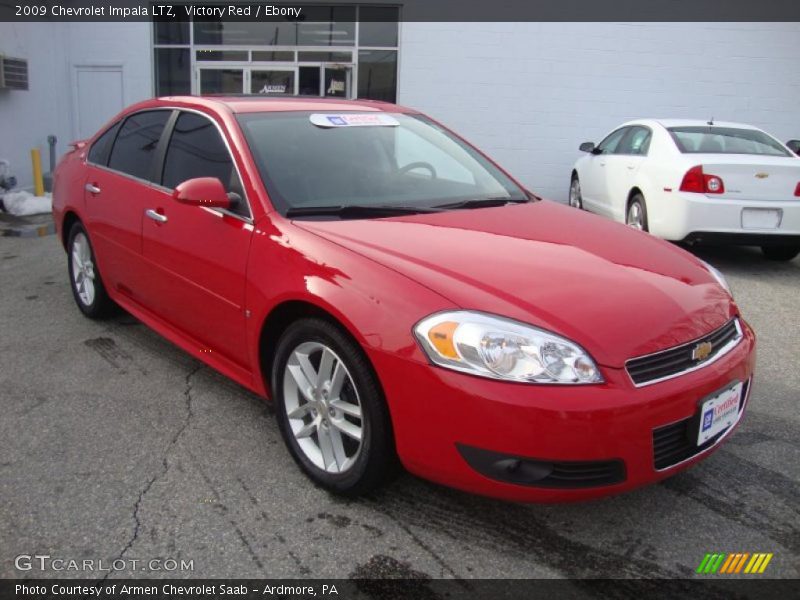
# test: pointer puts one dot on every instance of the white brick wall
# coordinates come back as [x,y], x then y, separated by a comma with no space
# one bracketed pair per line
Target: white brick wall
[27,118]
[529,93]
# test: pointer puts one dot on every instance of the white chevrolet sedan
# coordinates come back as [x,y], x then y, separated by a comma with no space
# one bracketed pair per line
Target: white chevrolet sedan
[695,181]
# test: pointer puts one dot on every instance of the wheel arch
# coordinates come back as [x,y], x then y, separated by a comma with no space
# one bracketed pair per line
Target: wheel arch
[634,190]
[281,317]
[70,218]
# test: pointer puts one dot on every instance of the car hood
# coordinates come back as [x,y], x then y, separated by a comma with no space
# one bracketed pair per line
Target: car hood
[618,292]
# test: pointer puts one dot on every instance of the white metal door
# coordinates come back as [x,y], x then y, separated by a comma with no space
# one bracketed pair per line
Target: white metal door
[97,92]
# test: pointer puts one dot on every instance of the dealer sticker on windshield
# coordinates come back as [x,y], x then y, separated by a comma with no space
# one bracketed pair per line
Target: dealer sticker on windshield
[354,120]
[719,412]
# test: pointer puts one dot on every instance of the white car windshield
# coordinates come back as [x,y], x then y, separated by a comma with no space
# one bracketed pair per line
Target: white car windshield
[374,159]
[725,140]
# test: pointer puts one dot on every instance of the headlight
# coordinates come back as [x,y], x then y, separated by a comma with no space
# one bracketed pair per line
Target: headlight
[499,348]
[718,276]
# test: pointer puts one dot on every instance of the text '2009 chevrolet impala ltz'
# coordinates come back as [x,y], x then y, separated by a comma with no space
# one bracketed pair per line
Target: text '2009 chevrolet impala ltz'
[397,295]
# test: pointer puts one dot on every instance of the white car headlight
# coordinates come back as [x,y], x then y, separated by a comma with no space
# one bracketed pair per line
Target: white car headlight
[718,276]
[499,348]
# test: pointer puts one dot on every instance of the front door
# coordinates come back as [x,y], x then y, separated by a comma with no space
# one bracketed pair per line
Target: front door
[594,178]
[198,255]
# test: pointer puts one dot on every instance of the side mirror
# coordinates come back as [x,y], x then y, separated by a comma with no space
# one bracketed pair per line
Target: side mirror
[202,191]
[794,146]
[586,147]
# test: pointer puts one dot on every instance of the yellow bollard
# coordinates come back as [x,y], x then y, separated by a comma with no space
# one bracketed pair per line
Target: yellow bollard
[38,182]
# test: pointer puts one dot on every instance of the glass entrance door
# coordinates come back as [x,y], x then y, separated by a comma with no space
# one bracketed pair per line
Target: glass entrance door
[337,81]
[273,82]
[220,80]
[327,80]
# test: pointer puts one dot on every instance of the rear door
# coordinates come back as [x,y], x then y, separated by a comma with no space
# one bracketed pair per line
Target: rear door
[198,255]
[119,179]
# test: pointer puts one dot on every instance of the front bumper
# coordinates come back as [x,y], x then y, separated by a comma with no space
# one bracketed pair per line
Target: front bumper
[679,216]
[436,413]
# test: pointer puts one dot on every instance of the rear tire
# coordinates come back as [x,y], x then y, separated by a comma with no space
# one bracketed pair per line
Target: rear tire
[781,253]
[84,276]
[331,410]
[636,214]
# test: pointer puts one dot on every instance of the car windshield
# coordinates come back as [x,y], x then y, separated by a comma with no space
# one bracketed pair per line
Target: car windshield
[368,159]
[725,140]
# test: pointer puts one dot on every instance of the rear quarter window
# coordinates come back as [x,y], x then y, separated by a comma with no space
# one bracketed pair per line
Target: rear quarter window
[98,153]
[136,143]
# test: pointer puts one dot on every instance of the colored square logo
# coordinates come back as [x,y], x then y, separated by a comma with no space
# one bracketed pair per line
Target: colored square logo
[708,419]
[337,120]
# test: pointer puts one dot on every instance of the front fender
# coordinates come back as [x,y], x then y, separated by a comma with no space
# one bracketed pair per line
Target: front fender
[375,304]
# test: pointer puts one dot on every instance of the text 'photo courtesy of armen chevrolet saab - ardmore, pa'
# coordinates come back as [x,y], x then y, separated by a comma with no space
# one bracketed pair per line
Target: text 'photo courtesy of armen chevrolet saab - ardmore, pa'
[366,301]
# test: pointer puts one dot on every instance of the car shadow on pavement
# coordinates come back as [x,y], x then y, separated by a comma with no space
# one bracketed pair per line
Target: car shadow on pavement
[742,260]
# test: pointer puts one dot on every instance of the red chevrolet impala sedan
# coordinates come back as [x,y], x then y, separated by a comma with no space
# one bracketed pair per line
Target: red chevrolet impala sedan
[397,295]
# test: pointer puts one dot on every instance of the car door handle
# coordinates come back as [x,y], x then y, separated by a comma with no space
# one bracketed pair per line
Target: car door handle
[602,164]
[156,216]
[92,188]
[631,167]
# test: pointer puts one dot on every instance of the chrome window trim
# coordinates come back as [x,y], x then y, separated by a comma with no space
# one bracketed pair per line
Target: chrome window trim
[719,354]
[724,435]
[158,186]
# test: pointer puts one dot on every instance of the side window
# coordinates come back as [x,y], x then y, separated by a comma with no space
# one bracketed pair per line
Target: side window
[196,149]
[609,145]
[135,146]
[98,153]
[637,142]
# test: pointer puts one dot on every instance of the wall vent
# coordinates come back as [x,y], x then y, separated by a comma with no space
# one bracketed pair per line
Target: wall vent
[13,73]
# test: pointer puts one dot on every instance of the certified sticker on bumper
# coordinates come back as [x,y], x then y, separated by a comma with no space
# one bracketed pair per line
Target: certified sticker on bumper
[761,218]
[354,120]
[718,413]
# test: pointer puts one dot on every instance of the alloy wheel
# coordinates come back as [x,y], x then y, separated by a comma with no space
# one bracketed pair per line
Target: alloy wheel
[575,194]
[323,407]
[635,216]
[83,274]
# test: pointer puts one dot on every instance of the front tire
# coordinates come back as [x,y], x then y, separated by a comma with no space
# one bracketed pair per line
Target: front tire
[781,253]
[575,197]
[636,215]
[84,276]
[330,408]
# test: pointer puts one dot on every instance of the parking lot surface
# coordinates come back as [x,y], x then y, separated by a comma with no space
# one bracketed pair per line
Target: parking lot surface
[114,443]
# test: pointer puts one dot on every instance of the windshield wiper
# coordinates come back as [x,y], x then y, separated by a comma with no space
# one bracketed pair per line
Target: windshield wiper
[355,211]
[482,203]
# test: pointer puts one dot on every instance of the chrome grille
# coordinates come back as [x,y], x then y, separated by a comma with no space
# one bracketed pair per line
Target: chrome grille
[666,364]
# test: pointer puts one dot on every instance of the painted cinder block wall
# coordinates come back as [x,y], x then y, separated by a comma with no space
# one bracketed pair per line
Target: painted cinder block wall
[53,50]
[529,93]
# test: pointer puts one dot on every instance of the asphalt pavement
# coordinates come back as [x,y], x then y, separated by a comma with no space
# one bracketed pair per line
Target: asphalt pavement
[115,444]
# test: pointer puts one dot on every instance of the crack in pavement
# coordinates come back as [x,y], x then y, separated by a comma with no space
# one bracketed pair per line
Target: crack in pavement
[222,508]
[187,394]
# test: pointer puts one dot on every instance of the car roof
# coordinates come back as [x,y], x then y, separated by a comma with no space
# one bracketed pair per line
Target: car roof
[686,123]
[253,104]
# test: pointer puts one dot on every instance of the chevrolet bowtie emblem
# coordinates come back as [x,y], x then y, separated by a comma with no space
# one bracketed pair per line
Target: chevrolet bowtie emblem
[702,350]
[762,175]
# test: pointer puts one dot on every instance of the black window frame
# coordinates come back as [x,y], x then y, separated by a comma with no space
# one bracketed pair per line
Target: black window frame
[161,157]
[609,136]
[157,156]
[113,129]
[628,134]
